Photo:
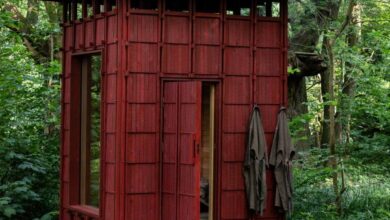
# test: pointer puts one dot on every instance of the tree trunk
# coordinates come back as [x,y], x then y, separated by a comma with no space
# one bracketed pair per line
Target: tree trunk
[349,84]
[328,83]
[311,64]
[297,97]
[331,114]
[325,81]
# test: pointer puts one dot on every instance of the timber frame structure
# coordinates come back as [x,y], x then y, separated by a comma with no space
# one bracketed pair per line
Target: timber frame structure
[158,57]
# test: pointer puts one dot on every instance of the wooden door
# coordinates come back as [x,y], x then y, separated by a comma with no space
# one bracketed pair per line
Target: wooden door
[180,151]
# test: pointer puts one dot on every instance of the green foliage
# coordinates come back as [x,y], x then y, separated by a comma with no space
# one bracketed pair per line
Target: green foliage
[29,116]
[297,127]
[367,180]
[291,70]
[29,130]
[363,160]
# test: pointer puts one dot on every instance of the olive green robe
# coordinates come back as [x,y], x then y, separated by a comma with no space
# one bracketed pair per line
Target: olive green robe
[255,163]
[282,153]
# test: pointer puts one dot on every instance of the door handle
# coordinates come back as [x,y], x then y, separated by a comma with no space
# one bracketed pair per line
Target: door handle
[195,148]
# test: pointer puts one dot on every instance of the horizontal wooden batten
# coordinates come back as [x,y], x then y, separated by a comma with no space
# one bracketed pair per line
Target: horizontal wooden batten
[86,211]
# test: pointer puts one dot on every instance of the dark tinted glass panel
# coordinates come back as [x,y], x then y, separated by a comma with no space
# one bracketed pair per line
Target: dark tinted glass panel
[111,5]
[99,6]
[177,5]
[89,10]
[144,4]
[209,6]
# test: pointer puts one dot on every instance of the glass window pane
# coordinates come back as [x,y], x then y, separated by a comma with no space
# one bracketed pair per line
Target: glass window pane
[275,9]
[95,132]
[89,10]
[79,11]
[90,131]
[144,4]
[208,6]
[177,5]
[261,8]
[240,8]
[268,8]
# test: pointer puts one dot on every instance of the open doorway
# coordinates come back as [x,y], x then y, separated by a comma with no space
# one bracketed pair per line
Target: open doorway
[207,152]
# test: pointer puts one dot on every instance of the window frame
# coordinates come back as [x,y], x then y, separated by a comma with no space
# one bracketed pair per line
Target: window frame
[78,11]
[74,162]
[227,8]
[268,9]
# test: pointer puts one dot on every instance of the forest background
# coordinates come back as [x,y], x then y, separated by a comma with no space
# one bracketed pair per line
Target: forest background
[339,102]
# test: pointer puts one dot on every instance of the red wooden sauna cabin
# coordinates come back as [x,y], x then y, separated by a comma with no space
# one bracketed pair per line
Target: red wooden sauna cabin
[155,105]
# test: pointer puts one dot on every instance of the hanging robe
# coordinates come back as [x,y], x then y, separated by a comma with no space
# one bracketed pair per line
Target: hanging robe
[255,163]
[282,153]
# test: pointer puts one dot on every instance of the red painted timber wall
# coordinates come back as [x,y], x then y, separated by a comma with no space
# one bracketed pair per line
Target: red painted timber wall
[246,56]
[88,36]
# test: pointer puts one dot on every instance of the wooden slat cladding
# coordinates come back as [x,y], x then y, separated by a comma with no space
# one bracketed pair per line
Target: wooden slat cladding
[240,51]
[82,38]
[143,45]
